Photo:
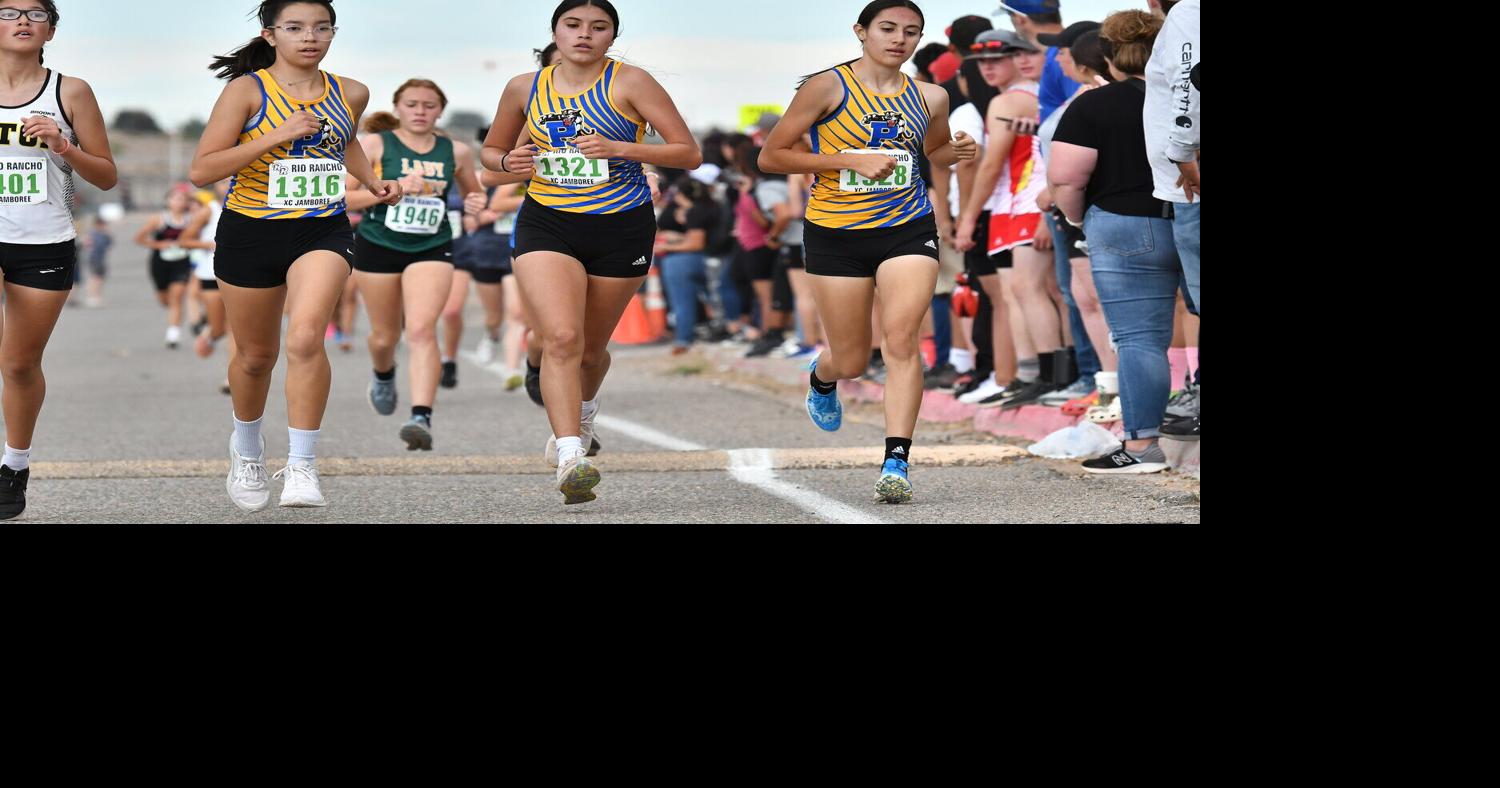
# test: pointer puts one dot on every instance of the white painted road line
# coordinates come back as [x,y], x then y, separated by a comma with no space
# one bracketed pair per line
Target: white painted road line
[752,467]
[755,468]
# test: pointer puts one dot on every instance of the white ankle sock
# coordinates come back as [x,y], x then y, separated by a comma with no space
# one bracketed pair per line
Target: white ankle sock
[247,438]
[304,446]
[16,459]
[591,407]
[569,448]
[962,360]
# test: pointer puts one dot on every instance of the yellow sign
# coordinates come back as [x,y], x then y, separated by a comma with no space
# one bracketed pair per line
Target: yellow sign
[750,114]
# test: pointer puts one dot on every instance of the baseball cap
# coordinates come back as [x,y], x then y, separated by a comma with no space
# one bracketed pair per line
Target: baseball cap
[1066,38]
[998,43]
[965,28]
[944,67]
[1030,7]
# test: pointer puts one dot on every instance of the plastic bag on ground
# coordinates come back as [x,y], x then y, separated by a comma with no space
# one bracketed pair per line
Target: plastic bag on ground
[1085,441]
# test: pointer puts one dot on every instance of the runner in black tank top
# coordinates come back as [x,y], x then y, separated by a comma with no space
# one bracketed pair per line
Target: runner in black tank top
[171,265]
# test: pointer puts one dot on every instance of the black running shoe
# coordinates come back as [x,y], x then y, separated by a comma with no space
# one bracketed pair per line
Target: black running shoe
[966,383]
[1181,429]
[765,345]
[450,375]
[939,378]
[12,492]
[594,448]
[1028,394]
[534,383]
[1153,460]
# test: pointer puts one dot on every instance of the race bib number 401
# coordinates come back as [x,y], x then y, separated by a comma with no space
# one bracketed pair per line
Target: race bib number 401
[571,168]
[23,180]
[305,183]
[416,215]
[900,178]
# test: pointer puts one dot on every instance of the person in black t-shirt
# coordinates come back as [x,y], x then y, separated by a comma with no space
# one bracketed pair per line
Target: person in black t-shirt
[682,235]
[1101,178]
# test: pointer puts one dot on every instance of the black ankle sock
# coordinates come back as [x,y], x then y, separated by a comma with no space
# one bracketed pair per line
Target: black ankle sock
[821,387]
[1049,368]
[419,410]
[898,449]
[450,364]
[385,376]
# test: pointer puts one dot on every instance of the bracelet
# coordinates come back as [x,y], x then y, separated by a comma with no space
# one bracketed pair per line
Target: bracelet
[504,168]
[67,146]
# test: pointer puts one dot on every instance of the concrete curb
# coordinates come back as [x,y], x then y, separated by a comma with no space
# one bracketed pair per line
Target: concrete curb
[1032,422]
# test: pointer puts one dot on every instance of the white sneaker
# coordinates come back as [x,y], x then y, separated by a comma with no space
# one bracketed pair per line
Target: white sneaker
[301,488]
[787,348]
[986,390]
[585,434]
[576,480]
[484,355]
[174,335]
[247,484]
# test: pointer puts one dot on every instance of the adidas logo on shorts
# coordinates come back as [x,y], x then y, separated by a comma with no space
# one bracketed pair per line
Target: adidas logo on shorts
[932,244]
[642,261]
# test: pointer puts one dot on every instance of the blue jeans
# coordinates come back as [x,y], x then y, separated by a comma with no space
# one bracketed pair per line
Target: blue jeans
[1088,358]
[1136,272]
[942,328]
[729,292]
[1185,230]
[685,276]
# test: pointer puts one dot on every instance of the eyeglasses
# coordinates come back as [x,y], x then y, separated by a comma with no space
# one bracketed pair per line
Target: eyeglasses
[320,33]
[35,14]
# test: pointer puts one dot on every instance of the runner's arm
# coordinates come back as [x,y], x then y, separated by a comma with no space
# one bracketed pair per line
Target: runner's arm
[91,157]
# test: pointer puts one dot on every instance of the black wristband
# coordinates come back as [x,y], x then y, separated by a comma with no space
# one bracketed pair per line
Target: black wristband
[504,168]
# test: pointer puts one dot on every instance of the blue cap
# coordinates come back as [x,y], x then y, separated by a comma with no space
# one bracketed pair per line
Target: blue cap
[1029,7]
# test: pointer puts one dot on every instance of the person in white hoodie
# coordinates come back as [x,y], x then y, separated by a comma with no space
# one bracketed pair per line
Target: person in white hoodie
[1171,117]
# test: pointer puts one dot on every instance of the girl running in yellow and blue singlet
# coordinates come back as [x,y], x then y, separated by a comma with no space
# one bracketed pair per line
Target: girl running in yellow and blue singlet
[584,236]
[869,221]
[283,130]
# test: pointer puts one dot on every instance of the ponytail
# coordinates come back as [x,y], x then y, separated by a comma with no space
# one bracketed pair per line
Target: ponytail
[259,53]
[248,59]
[51,8]
[381,121]
[803,81]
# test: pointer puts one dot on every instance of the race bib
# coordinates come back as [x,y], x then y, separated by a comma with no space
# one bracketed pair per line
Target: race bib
[173,254]
[305,183]
[456,224]
[23,180]
[900,178]
[416,215]
[570,168]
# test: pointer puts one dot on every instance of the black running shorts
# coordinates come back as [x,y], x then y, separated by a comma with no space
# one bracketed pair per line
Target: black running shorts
[857,253]
[614,245]
[372,258]
[258,252]
[42,266]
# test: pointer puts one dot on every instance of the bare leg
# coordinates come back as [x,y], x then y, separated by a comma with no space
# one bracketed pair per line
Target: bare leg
[1032,270]
[30,315]
[382,296]
[453,314]
[254,316]
[1087,299]
[907,284]
[425,288]
[844,304]
[807,307]
[314,284]
[1002,331]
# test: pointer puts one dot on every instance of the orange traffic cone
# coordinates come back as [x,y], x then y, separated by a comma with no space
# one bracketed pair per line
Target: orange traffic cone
[656,305]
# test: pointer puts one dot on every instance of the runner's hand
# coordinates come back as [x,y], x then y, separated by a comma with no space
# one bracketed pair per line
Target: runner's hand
[874,167]
[474,202]
[964,146]
[522,160]
[41,127]
[596,147]
[298,125]
[387,192]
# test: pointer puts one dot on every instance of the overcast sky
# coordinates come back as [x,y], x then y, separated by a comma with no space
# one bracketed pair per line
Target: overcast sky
[713,56]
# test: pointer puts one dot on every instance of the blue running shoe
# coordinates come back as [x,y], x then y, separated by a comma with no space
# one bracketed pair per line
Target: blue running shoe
[893,486]
[825,410]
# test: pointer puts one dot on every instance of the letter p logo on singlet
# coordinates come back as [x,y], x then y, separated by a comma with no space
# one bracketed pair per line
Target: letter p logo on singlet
[559,132]
[563,127]
[887,126]
[300,147]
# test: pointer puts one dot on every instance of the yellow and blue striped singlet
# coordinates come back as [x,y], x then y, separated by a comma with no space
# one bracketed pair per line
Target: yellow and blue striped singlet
[864,120]
[247,192]
[556,120]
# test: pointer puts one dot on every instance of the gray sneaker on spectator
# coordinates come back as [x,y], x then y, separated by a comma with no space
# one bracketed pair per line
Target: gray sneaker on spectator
[1075,390]
[1185,404]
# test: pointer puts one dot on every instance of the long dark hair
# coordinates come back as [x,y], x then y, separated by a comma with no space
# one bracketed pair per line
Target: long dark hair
[259,53]
[1088,52]
[980,92]
[544,55]
[51,9]
[603,5]
[866,18]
